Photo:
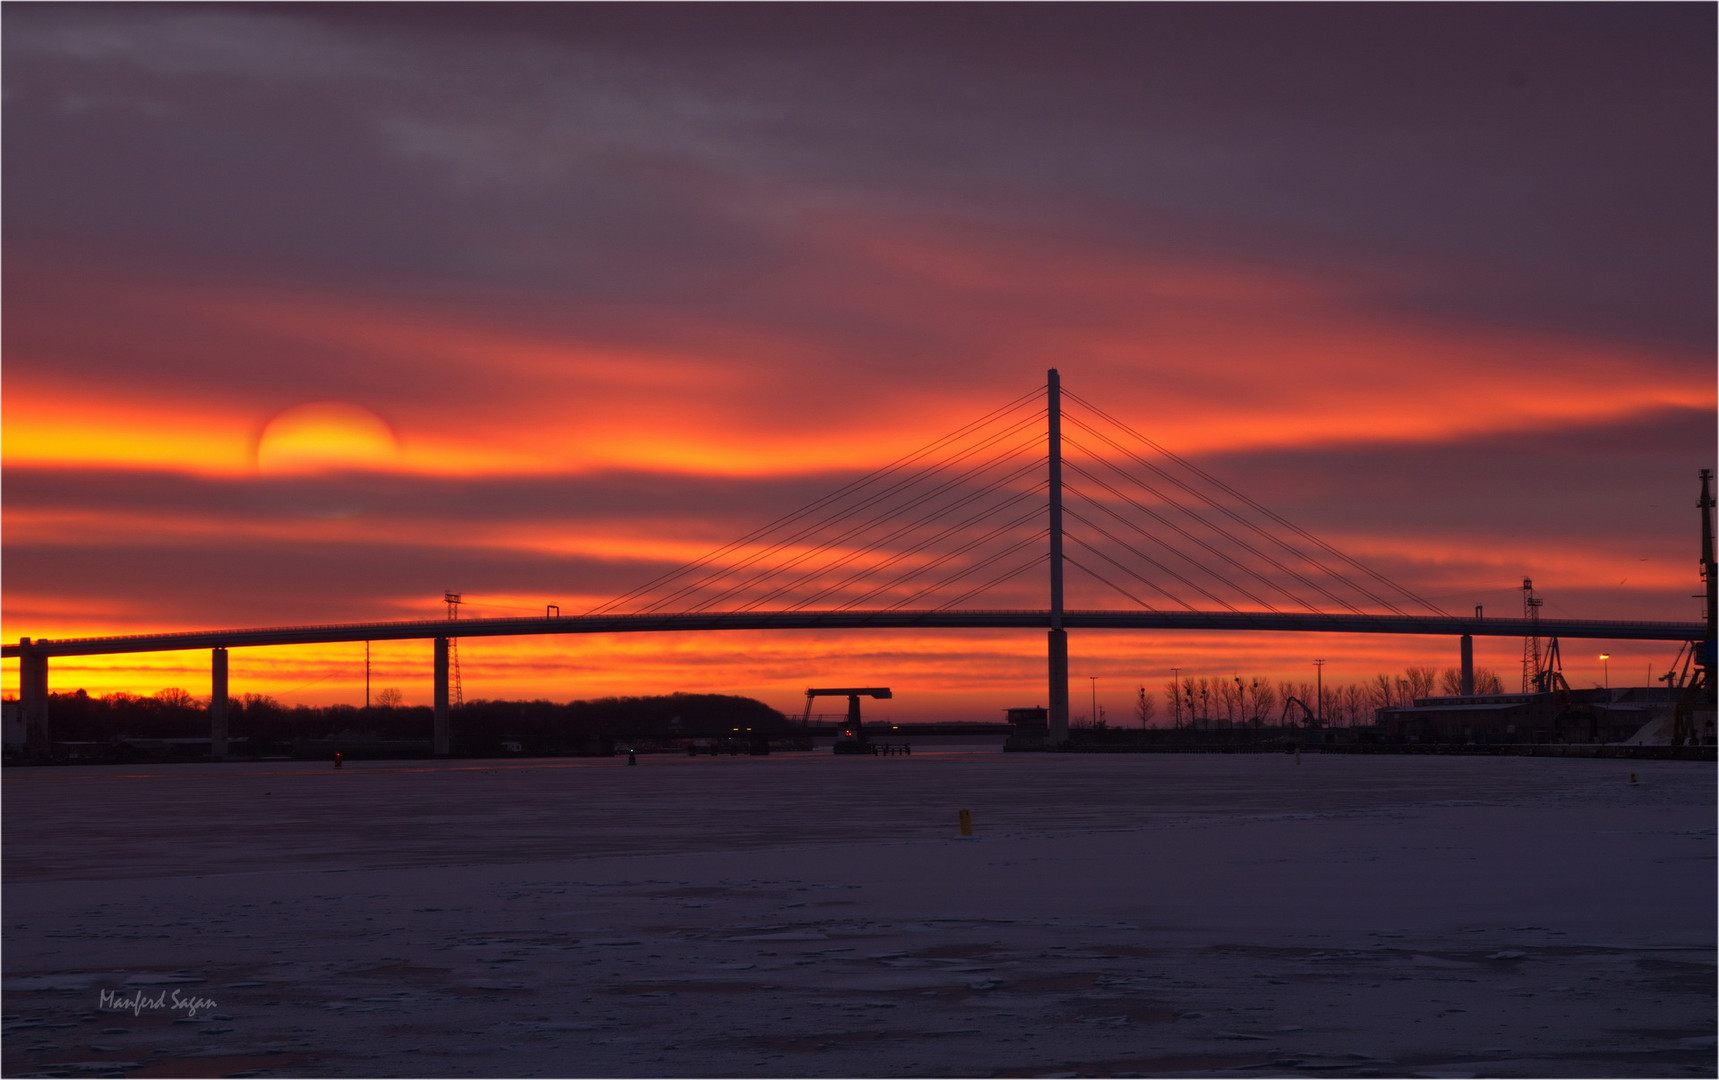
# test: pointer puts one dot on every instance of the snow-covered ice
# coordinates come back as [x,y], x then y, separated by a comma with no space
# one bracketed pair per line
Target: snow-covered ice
[808,915]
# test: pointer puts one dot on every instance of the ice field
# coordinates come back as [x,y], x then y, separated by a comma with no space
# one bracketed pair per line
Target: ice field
[808,915]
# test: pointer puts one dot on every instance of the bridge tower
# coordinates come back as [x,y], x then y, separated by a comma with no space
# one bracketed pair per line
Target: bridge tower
[1056,719]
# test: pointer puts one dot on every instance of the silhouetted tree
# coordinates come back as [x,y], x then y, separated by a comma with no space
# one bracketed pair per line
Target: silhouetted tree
[1421,681]
[175,698]
[1145,707]
[1355,707]
[1262,699]
[1383,691]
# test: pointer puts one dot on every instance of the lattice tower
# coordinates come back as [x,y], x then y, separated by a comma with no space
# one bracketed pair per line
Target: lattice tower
[456,696]
[1531,644]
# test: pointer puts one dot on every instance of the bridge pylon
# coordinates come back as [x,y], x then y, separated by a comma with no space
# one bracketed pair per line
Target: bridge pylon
[1056,718]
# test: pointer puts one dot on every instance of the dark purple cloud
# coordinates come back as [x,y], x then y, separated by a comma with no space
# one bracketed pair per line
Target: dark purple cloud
[1541,165]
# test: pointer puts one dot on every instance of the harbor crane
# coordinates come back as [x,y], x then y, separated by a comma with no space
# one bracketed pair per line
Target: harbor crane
[852,739]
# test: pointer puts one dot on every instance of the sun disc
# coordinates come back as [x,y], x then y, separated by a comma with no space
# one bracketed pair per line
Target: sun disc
[325,436]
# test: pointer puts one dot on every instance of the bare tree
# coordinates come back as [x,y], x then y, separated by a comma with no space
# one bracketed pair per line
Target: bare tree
[1383,691]
[1336,707]
[1421,681]
[1173,694]
[1264,699]
[390,697]
[175,698]
[1486,681]
[1145,707]
[1355,704]
[1229,692]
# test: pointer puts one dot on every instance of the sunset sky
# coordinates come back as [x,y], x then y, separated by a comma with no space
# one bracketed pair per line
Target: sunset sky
[314,312]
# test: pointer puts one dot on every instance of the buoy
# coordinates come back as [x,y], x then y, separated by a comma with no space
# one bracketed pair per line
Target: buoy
[966,823]
[1632,778]
[337,759]
[632,756]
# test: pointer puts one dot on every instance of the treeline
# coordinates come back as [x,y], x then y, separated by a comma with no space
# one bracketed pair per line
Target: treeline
[1206,701]
[269,725]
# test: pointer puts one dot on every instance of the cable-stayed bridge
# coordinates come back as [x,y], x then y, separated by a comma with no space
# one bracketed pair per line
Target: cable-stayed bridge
[1047,513]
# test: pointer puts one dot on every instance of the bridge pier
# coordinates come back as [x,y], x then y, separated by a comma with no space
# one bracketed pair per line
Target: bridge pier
[440,735]
[33,696]
[1056,718]
[1467,664]
[218,705]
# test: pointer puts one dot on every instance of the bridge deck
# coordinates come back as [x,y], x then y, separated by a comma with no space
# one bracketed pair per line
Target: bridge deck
[1611,629]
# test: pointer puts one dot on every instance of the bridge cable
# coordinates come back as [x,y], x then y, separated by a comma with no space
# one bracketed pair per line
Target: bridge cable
[926,543]
[1194,514]
[1298,530]
[1231,537]
[975,568]
[1073,562]
[999,579]
[1136,552]
[818,504]
[1190,537]
[902,580]
[854,552]
[805,531]
[948,556]
[870,501]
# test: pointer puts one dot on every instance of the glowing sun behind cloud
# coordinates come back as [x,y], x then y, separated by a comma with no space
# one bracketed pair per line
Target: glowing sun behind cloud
[324,436]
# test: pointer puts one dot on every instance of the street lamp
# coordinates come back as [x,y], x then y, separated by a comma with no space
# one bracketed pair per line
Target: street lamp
[1605,656]
[1319,675]
[1092,720]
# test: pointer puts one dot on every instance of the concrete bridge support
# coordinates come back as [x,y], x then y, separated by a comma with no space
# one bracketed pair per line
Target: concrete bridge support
[33,696]
[218,705]
[441,729]
[1056,718]
[1467,664]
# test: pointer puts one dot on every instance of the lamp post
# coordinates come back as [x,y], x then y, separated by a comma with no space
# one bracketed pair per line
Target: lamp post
[1092,721]
[1319,676]
[1604,657]
[1176,693]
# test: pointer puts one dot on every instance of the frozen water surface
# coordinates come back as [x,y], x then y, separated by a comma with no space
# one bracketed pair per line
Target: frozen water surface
[807,915]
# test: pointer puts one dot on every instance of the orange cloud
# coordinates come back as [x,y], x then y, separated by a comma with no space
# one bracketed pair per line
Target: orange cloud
[1205,355]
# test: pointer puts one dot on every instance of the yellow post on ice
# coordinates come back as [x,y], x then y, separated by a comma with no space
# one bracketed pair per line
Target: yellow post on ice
[966,823]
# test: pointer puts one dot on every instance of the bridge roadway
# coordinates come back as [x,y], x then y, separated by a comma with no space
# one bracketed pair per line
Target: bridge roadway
[1611,629]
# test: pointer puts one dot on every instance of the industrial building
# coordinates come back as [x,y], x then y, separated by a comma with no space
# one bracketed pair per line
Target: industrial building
[1616,715]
